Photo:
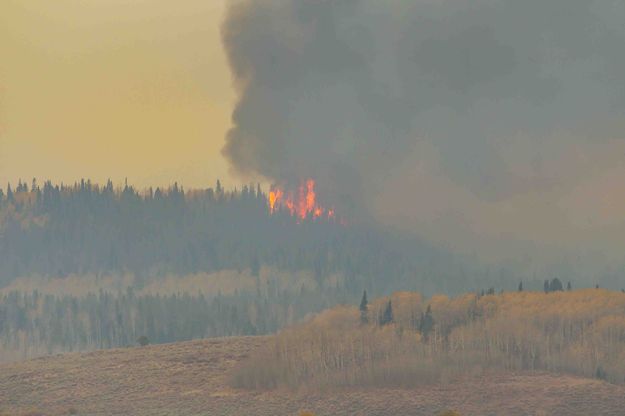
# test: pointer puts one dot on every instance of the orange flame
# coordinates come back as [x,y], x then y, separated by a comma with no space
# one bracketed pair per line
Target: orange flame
[301,203]
[274,200]
[310,196]
[305,206]
[331,214]
[290,205]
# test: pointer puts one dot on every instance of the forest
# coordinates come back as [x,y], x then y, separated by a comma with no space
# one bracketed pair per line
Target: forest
[58,230]
[405,340]
[85,266]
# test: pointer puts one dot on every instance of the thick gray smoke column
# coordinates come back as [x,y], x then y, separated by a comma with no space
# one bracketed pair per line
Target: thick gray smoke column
[486,96]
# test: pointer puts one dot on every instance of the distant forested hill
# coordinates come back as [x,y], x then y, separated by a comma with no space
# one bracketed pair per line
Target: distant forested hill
[58,231]
[202,263]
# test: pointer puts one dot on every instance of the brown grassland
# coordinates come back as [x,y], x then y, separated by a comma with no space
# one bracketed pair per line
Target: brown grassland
[191,378]
[318,365]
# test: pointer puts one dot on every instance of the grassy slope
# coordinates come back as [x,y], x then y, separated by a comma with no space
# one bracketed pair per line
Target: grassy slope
[190,378]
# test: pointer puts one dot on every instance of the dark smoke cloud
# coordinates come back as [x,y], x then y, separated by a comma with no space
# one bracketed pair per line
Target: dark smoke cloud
[492,100]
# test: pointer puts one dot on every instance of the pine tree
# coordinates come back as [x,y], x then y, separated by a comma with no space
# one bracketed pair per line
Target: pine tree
[364,308]
[10,197]
[569,287]
[555,285]
[521,286]
[427,323]
[546,286]
[219,190]
[387,315]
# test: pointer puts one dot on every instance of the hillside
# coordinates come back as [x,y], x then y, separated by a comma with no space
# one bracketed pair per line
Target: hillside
[191,378]
[86,267]
[407,340]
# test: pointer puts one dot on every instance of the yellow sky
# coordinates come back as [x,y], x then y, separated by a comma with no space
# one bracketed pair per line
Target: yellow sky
[113,88]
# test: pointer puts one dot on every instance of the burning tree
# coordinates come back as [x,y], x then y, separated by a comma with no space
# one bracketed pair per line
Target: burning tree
[302,204]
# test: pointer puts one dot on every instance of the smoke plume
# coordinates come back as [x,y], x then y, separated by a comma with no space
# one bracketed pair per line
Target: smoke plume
[497,118]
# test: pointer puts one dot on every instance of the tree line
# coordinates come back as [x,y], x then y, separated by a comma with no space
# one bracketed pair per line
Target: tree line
[60,230]
[83,230]
[406,339]
[34,324]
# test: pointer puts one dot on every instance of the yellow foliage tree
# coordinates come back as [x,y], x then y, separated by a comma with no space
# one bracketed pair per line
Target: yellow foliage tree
[580,332]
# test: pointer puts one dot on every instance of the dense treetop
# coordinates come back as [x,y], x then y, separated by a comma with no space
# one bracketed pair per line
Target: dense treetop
[58,230]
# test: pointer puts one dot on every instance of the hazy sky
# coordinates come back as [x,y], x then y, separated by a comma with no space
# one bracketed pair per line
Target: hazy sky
[113,88]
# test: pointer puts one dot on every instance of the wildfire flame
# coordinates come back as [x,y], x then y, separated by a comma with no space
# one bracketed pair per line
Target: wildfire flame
[304,206]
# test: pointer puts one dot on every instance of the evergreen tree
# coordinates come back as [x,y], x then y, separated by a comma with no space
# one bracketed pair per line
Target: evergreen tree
[569,287]
[10,197]
[521,286]
[555,285]
[364,308]
[219,190]
[546,286]
[427,323]
[387,316]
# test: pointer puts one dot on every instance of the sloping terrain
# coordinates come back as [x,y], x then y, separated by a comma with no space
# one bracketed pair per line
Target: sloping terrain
[191,378]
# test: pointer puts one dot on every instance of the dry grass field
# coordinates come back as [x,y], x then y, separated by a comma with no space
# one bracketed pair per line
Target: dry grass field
[191,378]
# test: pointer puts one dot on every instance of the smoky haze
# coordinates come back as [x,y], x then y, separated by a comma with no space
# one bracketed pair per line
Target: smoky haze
[497,119]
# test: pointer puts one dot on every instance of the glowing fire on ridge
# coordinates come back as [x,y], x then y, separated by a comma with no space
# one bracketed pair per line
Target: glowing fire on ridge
[303,206]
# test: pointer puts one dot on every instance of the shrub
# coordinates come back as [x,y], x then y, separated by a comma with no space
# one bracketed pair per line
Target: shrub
[143,340]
